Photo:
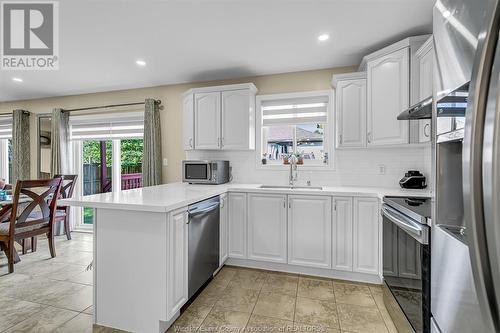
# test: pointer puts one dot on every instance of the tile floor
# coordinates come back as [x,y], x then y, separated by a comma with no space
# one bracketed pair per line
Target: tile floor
[263,301]
[49,295]
[55,295]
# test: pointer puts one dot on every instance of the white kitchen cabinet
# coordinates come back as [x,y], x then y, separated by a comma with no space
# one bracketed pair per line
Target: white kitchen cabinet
[388,96]
[310,230]
[238,123]
[223,118]
[350,110]
[207,120]
[267,227]
[342,233]
[366,235]
[425,57]
[188,122]
[223,230]
[237,223]
[177,262]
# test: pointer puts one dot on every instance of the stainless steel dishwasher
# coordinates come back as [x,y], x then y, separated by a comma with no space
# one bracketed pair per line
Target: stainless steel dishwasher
[203,252]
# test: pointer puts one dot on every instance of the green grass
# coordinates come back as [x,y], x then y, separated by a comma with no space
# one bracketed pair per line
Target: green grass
[88,215]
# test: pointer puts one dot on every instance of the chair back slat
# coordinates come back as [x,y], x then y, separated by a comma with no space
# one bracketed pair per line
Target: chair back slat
[41,209]
[67,185]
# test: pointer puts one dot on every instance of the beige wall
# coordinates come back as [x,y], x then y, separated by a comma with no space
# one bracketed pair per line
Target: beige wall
[171,115]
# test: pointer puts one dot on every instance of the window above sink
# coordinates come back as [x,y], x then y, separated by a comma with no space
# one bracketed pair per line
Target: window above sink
[297,123]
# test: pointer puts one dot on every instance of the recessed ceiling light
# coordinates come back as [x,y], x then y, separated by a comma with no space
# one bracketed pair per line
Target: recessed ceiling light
[323,37]
[446,14]
[17,79]
[141,63]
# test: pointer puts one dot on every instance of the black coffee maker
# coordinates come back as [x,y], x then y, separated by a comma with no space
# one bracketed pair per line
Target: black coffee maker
[413,179]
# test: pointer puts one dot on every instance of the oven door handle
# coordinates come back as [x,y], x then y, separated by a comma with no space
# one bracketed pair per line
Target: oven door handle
[414,229]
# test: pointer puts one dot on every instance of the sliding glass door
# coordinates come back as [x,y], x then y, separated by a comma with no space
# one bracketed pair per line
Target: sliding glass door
[107,166]
[97,171]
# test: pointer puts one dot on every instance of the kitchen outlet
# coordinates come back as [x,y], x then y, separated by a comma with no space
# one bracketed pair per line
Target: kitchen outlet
[165,162]
[381,169]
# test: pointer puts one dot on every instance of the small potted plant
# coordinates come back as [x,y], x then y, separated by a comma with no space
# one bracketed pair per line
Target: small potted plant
[264,158]
[286,158]
[300,158]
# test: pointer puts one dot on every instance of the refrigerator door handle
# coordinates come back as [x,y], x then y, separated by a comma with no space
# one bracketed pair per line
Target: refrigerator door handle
[483,94]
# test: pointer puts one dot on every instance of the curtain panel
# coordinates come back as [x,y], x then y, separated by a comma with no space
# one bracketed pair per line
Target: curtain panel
[20,145]
[151,164]
[59,144]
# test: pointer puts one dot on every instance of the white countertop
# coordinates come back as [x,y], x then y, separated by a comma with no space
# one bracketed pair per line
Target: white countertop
[165,198]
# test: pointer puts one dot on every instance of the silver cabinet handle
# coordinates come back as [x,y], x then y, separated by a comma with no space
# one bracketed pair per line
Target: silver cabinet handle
[427,130]
[221,142]
[191,142]
[369,137]
[340,138]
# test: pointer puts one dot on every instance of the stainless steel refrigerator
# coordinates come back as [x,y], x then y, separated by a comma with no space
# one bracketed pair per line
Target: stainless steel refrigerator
[465,273]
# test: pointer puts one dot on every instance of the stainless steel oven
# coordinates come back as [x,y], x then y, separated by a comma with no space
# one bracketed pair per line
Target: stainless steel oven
[407,262]
[205,172]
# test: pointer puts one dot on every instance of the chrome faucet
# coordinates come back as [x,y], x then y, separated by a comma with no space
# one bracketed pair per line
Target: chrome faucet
[292,160]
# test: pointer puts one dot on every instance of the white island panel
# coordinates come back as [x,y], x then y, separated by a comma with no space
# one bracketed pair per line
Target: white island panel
[130,270]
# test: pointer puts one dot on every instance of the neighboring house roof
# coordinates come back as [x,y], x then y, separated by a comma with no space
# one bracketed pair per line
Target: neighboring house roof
[285,134]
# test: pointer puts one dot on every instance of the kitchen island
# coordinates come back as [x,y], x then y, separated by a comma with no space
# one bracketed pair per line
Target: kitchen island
[140,241]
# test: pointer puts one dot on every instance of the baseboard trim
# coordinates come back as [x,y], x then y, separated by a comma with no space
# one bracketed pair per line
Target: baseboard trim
[320,272]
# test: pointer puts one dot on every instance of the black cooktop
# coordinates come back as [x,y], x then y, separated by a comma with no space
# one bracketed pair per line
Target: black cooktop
[418,208]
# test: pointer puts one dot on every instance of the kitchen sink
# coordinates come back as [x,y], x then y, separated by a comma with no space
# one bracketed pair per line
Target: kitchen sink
[288,187]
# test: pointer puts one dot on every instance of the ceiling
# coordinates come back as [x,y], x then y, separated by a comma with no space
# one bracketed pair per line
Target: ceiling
[188,40]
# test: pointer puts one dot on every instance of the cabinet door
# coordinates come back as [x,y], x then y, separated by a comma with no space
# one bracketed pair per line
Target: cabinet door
[236,119]
[310,230]
[207,120]
[177,272]
[426,63]
[267,227]
[223,243]
[366,235]
[342,234]
[237,225]
[350,100]
[388,95]
[188,122]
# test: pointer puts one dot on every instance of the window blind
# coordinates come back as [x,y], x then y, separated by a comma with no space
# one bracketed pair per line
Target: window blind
[127,125]
[295,111]
[6,127]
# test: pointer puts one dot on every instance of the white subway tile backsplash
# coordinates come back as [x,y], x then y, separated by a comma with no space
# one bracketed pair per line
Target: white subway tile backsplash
[358,167]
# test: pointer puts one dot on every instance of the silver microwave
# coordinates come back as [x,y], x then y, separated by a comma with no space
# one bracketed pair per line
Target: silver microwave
[205,172]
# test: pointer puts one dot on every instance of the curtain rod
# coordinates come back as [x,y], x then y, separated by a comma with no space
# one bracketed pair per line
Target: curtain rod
[109,106]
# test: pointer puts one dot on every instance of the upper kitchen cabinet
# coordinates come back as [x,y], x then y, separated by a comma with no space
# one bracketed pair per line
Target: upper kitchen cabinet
[207,118]
[350,110]
[188,122]
[392,85]
[223,117]
[425,56]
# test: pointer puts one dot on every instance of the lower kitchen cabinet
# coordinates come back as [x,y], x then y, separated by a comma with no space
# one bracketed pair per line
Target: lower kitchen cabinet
[310,230]
[237,222]
[177,262]
[342,233]
[366,235]
[223,233]
[267,227]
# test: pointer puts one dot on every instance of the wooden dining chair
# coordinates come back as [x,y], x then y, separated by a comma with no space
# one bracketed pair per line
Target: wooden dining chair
[67,188]
[33,219]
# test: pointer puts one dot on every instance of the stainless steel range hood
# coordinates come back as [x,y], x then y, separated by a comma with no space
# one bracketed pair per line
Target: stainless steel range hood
[421,110]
